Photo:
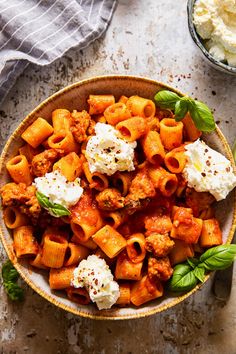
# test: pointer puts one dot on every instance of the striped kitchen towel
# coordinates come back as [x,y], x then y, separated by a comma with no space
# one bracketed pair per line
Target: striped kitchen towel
[40,31]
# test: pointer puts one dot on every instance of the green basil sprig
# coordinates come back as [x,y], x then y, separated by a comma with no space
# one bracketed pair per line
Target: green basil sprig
[10,277]
[200,113]
[54,209]
[187,275]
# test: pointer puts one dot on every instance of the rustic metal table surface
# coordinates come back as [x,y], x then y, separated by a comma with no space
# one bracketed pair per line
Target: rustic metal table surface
[147,38]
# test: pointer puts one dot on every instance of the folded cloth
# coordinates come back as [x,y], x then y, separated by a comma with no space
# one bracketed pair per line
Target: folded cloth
[40,31]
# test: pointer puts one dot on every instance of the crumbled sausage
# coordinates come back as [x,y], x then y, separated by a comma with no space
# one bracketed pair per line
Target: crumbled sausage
[82,125]
[20,195]
[159,245]
[159,268]
[43,162]
[110,199]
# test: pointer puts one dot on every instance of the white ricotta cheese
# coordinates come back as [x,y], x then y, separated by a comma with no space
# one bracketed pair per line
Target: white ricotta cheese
[208,171]
[107,153]
[56,187]
[215,20]
[94,274]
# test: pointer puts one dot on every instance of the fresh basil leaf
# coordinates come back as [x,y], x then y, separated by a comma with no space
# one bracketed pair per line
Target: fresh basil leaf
[183,278]
[14,291]
[43,200]
[10,276]
[202,116]
[181,109]
[219,257]
[166,99]
[54,209]
[199,273]
[193,262]
[58,210]
[9,273]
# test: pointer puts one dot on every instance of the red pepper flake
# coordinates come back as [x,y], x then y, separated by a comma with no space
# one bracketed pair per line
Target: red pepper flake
[227,169]
[203,174]
[208,163]
[96,281]
[95,292]
[92,273]
[206,150]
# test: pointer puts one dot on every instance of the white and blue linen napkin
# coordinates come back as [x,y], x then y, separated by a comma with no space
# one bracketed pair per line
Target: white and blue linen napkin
[40,31]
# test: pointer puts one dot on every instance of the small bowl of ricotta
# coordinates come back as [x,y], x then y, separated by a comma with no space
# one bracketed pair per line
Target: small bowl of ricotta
[212,25]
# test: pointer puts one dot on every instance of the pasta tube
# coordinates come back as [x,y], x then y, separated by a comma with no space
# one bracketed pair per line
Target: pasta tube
[126,269]
[171,133]
[63,141]
[98,103]
[211,234]
[133,128]
[74,254]
[116,113]
[96,180]
[70,166]
[19,170]
[124,298]
[13,218]
[61,278]
[37,132]
[145,290]
[192,133]
[110,241]
[180,252]
[136,248]
[141,107]
[24,242]
[122,181]
[80,296]
[54,250]
[153,148]
[61,120]
[175,160]
[165,181]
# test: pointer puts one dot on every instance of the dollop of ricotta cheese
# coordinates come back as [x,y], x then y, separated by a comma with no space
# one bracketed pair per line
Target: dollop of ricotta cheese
[107,153]
[208,171]
[94,274]
[56,187]
[215,21]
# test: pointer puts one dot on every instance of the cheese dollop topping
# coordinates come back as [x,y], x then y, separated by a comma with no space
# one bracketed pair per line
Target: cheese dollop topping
[94,274]
[56,187]
[215,20]
[107,153]
[208,171]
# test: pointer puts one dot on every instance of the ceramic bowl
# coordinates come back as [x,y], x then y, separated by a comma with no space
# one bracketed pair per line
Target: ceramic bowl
[74,97]
[199,43]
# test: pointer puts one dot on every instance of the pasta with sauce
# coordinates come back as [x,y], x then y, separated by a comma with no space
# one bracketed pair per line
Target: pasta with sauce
[141,219]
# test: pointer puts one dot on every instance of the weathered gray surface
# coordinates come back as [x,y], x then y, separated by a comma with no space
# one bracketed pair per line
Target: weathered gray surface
[147,38]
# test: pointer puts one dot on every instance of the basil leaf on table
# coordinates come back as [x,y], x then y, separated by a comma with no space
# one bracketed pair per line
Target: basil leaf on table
[54,209]
[10,277]
[181,109]
[166,99]
[202,116]
[219,257]
[183,278]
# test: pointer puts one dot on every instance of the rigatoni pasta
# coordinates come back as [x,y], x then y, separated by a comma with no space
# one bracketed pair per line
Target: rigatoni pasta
[136,213]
